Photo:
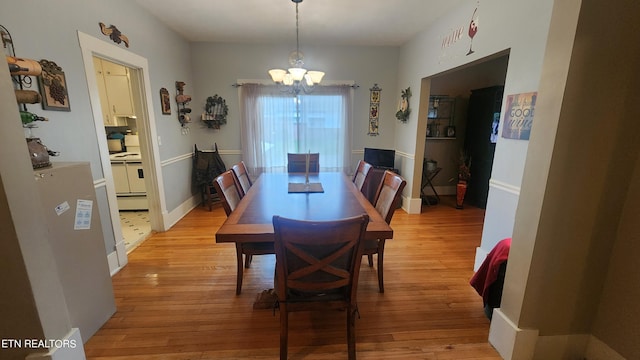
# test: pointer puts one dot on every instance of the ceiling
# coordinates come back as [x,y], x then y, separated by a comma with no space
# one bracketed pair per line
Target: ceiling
[330,22]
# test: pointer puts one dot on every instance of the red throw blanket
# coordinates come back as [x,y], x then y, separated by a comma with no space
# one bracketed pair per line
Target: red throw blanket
[488,271]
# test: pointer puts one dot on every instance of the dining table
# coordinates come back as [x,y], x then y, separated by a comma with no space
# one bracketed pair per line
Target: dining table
[336,197]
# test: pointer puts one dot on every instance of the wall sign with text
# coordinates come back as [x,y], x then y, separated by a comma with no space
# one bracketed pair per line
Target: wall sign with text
[518,116]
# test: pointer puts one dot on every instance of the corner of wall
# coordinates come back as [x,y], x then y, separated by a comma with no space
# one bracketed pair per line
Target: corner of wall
[412,205]
[598,350]
[179,212]
[511,342]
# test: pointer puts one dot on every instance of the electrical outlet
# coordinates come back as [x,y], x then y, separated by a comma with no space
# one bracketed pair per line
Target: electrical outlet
[159,140]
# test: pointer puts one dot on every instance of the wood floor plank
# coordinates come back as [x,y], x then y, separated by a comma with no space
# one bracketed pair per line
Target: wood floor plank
[176,298]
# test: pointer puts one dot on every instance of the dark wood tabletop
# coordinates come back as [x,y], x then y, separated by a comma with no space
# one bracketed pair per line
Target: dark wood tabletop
[269,196]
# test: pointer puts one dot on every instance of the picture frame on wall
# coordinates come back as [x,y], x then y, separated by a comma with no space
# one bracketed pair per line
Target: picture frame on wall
[53,87]
[165,101]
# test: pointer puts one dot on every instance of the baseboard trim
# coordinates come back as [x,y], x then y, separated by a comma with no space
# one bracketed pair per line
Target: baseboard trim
[73,350]
[561,347]
[412,205]
[511,342]
[117,259]
[112,260]
[180,211]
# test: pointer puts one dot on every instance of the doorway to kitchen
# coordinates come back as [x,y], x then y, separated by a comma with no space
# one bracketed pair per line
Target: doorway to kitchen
[120,117]
[144,120]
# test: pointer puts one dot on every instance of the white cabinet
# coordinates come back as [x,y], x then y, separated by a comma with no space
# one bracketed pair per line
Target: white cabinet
[135,175]
[114,86]
[128,178]
[120,178]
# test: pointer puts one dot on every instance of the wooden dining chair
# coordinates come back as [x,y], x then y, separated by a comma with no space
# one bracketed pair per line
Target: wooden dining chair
[362,174]
[386,201]
[227,187]
[240,169]
[297,163]
[317,268]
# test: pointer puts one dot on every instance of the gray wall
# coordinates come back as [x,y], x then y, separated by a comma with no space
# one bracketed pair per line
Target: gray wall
[218,66]
[521,26]
[587,200]
[561,194]
[54,37]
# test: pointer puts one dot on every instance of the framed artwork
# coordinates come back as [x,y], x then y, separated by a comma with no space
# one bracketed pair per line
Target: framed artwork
[165,101]
[518,117]
[53,87]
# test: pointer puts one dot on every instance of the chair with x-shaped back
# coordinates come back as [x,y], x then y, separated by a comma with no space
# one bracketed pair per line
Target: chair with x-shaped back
[317,268]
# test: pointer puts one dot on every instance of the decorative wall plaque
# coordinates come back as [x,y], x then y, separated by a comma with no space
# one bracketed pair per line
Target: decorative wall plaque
[374,110]
[114,34]
[53,87]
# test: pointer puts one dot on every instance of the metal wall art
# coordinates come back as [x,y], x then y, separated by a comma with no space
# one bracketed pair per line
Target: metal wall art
[183,110]
[216,111]
[374,110]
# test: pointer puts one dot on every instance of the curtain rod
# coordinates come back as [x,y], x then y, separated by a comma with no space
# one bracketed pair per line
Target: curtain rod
[238,84]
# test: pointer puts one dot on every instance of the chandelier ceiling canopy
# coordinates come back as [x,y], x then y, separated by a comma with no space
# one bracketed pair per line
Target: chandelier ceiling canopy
[296,77]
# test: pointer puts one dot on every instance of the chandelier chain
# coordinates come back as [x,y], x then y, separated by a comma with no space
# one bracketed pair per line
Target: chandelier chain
[297,38]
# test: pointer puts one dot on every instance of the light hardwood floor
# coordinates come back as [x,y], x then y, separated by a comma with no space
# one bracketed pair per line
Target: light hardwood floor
[176,298]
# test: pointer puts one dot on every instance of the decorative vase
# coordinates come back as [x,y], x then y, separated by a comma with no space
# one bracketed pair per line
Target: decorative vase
[461,190]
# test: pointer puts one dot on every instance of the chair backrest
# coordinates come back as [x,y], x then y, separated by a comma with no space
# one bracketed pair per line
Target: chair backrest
[362,171]
[298,162]
[318,257]
[226,186]
[388,195]
[243,176]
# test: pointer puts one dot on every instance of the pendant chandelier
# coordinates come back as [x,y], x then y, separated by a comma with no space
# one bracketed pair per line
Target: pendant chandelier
[296,78]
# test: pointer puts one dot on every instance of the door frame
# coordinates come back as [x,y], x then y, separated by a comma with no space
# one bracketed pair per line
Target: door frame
[150,152]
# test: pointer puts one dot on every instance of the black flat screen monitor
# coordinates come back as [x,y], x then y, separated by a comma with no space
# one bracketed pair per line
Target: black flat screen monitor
[380,158]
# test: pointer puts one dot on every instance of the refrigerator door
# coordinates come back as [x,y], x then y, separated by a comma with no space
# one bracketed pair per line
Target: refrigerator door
[75,233]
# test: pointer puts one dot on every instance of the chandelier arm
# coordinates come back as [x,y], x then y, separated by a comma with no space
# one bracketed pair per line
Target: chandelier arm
[296,78]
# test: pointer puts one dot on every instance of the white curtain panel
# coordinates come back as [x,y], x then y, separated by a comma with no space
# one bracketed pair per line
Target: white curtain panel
[275,123]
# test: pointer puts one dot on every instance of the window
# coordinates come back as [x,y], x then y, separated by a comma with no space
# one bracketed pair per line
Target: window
[274,124]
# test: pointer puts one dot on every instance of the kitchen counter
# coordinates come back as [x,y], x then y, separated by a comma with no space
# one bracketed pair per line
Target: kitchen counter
[125,156]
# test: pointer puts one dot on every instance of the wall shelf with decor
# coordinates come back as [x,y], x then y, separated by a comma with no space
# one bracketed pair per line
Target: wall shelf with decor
[441,117]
